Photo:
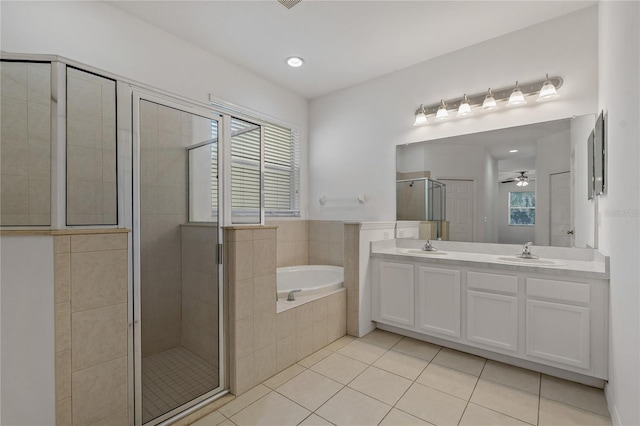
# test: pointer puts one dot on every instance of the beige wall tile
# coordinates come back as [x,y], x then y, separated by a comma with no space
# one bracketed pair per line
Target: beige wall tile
[243,299]
[320,335]
[99,335]
[98,279]
[63,413]
[39,122]
[40,158]
[245,376]
[264,257]
[99,391]
[243,268]
[15,158]
[304,343]
[353,323]
[119,418]
[61,244]
[39,83]
[98,242]
[320,309]
[63,326]
[14,198]
[242,235]
[264,363]
[63,375]
[264,294]
[244,337]
[304,316]
[286,324]
[14,80]
[62,277]
[264,234]
[14,119]
[286,352]
[264,330]
[39,195]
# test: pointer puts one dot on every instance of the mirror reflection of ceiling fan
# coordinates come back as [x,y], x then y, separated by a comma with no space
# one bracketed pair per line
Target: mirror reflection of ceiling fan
[289,3]
[522,180]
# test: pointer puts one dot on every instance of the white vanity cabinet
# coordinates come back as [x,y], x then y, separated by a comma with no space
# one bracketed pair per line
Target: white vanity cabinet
[551,319]
[438,300]
[492,310]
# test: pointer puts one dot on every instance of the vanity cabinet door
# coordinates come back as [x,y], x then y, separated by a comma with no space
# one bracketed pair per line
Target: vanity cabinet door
[438,301]
[393,297]
[558,332]
[492,320]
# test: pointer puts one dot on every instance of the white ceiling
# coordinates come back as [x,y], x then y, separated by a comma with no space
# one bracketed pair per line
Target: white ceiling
[343,42]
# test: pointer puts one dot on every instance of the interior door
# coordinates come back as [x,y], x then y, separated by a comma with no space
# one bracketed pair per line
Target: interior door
[560,222]
[459,209]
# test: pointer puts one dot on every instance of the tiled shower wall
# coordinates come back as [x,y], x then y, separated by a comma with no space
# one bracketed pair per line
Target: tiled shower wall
[292,241]
[91,279]
[91,149]
[25,144]
[200,290]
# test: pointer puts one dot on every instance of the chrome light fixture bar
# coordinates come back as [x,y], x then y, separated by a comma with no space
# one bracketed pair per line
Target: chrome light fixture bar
[501,95]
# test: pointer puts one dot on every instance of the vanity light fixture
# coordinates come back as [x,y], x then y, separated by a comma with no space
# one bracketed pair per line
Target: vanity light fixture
[548,92]
[489,101]
[464,108]
[517,97]
[421,117]
[295,61]
[442,111]
[513,150]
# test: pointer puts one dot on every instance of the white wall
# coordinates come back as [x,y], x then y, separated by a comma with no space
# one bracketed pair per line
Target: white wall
[27,359]
[619,226]
[353,132]
[104,37]
[552,156]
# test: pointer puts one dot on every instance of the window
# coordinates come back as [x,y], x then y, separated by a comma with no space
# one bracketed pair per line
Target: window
[522,208]
[281,170]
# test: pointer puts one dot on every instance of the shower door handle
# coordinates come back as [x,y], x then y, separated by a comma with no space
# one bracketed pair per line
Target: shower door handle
[219,253]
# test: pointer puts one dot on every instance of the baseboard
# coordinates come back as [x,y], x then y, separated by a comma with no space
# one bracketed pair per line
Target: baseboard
[613,408]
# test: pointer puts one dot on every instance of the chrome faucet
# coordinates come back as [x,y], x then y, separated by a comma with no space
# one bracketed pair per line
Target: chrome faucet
[526,251]
[429,247]
[290,297]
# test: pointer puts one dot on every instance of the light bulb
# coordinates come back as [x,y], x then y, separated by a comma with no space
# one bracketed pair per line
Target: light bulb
[547,92]
[464,108]
[295,61]
[442,111]
[421,117]
[489,101]
[517,97]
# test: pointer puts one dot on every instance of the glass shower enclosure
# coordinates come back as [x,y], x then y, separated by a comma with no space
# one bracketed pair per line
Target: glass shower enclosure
[421,199]
[177,275]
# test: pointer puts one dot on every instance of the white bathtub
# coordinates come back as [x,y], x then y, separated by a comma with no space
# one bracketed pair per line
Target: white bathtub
[310,279]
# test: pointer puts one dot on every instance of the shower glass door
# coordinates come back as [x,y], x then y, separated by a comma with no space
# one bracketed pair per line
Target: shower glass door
[177,291]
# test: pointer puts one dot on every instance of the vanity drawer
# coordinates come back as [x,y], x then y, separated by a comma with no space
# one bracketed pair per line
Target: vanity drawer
[564,291]
[492,282]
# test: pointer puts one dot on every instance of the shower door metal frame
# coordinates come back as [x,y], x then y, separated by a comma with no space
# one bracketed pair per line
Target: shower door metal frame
[138,95]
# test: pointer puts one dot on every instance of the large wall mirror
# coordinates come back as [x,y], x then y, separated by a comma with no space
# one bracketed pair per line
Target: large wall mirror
[510,185]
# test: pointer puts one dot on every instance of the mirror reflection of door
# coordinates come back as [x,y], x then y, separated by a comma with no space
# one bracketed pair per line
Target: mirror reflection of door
[459,202]
[560,209]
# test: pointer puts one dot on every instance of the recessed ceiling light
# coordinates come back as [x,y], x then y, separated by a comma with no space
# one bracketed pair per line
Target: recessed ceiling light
[513,150]
[295,61]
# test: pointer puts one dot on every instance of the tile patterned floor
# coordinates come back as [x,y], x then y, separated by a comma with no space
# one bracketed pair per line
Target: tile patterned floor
[387,379]
[172,378]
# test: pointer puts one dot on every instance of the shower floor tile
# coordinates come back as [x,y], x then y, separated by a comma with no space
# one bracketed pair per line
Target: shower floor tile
[172,378]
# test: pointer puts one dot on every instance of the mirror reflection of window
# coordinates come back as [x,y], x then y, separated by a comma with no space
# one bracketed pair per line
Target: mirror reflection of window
[25,118]
[91,149]
[522,208]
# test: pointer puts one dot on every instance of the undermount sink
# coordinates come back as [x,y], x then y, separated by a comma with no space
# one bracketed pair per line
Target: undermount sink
[525,261]
[425,252]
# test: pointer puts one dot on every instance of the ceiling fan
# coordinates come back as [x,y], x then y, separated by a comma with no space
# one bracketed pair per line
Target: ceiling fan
[289,3]
[522,180]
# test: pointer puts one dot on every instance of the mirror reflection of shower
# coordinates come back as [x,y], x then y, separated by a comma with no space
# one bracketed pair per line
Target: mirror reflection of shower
[423,199]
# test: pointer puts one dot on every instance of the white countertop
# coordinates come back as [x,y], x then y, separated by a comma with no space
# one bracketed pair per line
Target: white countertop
[574,262]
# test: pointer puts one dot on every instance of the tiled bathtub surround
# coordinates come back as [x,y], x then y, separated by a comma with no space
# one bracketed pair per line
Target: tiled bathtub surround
[25,144]
[262,342]
[292,241]
[91,278]
[326,242]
